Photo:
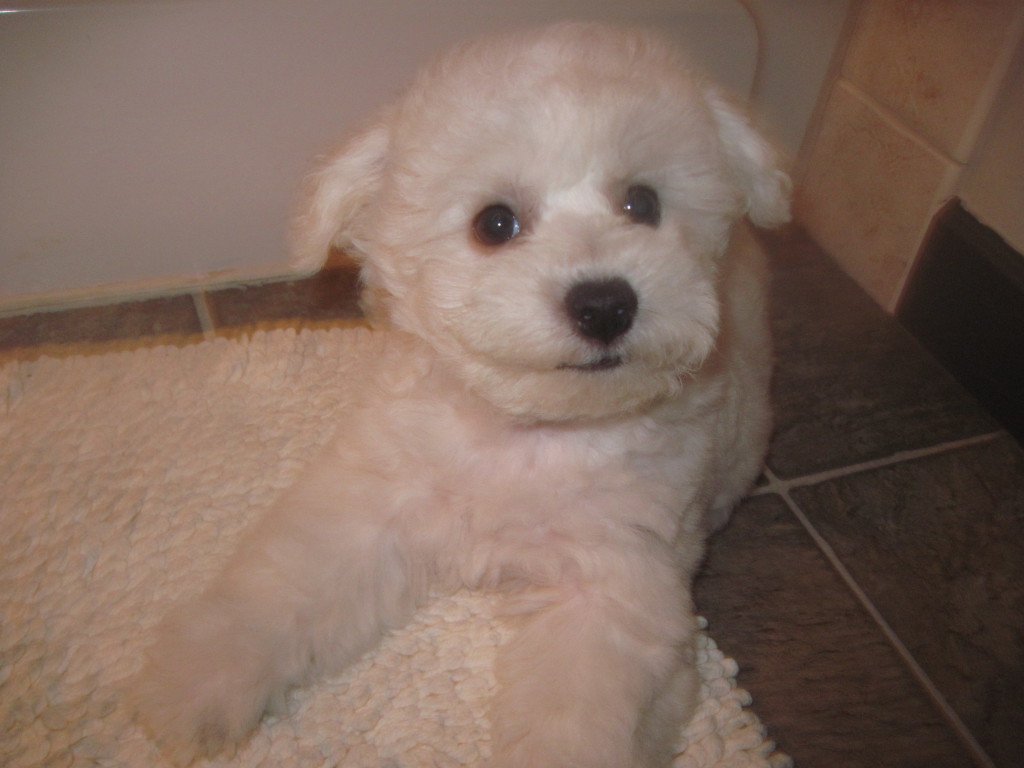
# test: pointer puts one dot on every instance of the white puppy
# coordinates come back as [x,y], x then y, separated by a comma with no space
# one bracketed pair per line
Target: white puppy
[573,383]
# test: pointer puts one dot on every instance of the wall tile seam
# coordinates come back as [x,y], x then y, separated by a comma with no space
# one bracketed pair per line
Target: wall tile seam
[835,68]
[989,93]
[896,123]
[951,177]
[974,129]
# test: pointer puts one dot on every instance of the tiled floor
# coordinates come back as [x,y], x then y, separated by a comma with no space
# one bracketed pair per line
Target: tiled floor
[872,590]
[320,300]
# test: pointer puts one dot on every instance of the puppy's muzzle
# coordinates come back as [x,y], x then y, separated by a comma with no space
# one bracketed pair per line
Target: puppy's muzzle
[602,310]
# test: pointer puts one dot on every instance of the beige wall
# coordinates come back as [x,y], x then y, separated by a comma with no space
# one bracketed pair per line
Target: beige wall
[149,144]
[798,41]
[900,128]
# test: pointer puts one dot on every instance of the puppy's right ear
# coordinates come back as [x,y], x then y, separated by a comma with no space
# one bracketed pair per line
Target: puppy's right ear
[753,161]
[337,197]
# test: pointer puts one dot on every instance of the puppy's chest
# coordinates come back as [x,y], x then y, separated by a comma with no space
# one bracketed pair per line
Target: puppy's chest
[551,475]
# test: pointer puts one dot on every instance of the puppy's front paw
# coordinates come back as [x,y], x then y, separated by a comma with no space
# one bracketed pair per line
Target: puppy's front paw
[204,686]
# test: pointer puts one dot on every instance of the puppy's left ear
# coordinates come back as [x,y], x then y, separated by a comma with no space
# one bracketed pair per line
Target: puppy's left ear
[339,194]
[753,161]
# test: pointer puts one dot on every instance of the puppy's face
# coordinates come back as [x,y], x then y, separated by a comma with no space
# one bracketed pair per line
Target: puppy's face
[548,213]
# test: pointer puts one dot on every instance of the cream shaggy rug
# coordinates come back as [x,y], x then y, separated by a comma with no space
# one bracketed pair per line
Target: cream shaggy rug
[126,478]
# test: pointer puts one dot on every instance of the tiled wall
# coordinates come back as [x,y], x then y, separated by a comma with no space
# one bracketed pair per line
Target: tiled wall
[898,128]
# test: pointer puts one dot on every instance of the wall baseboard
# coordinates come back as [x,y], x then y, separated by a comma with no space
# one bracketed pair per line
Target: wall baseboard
[965,303]
[115,293]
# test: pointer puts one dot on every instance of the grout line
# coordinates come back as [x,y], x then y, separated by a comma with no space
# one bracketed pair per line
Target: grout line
[201,300]
[780,486]
[946,710]
[894,121]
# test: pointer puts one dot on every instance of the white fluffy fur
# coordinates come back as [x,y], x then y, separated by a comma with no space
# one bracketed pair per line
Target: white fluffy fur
[479,457]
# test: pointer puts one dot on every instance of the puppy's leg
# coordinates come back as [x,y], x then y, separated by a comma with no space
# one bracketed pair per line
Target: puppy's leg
[311,587]
[661,725]
[588,664]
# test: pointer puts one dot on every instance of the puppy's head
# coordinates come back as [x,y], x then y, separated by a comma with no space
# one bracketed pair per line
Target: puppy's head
[547,211]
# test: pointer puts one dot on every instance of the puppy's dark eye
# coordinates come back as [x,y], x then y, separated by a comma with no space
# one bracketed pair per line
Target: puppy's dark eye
[642,206]
[496,224]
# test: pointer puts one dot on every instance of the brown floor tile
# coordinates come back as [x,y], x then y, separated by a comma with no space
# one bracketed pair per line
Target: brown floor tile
[165,316]
[331,293]
[937,546]
[830,689]
[850,383]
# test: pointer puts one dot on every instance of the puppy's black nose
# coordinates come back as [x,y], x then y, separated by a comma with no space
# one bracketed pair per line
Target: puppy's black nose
[603,310]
